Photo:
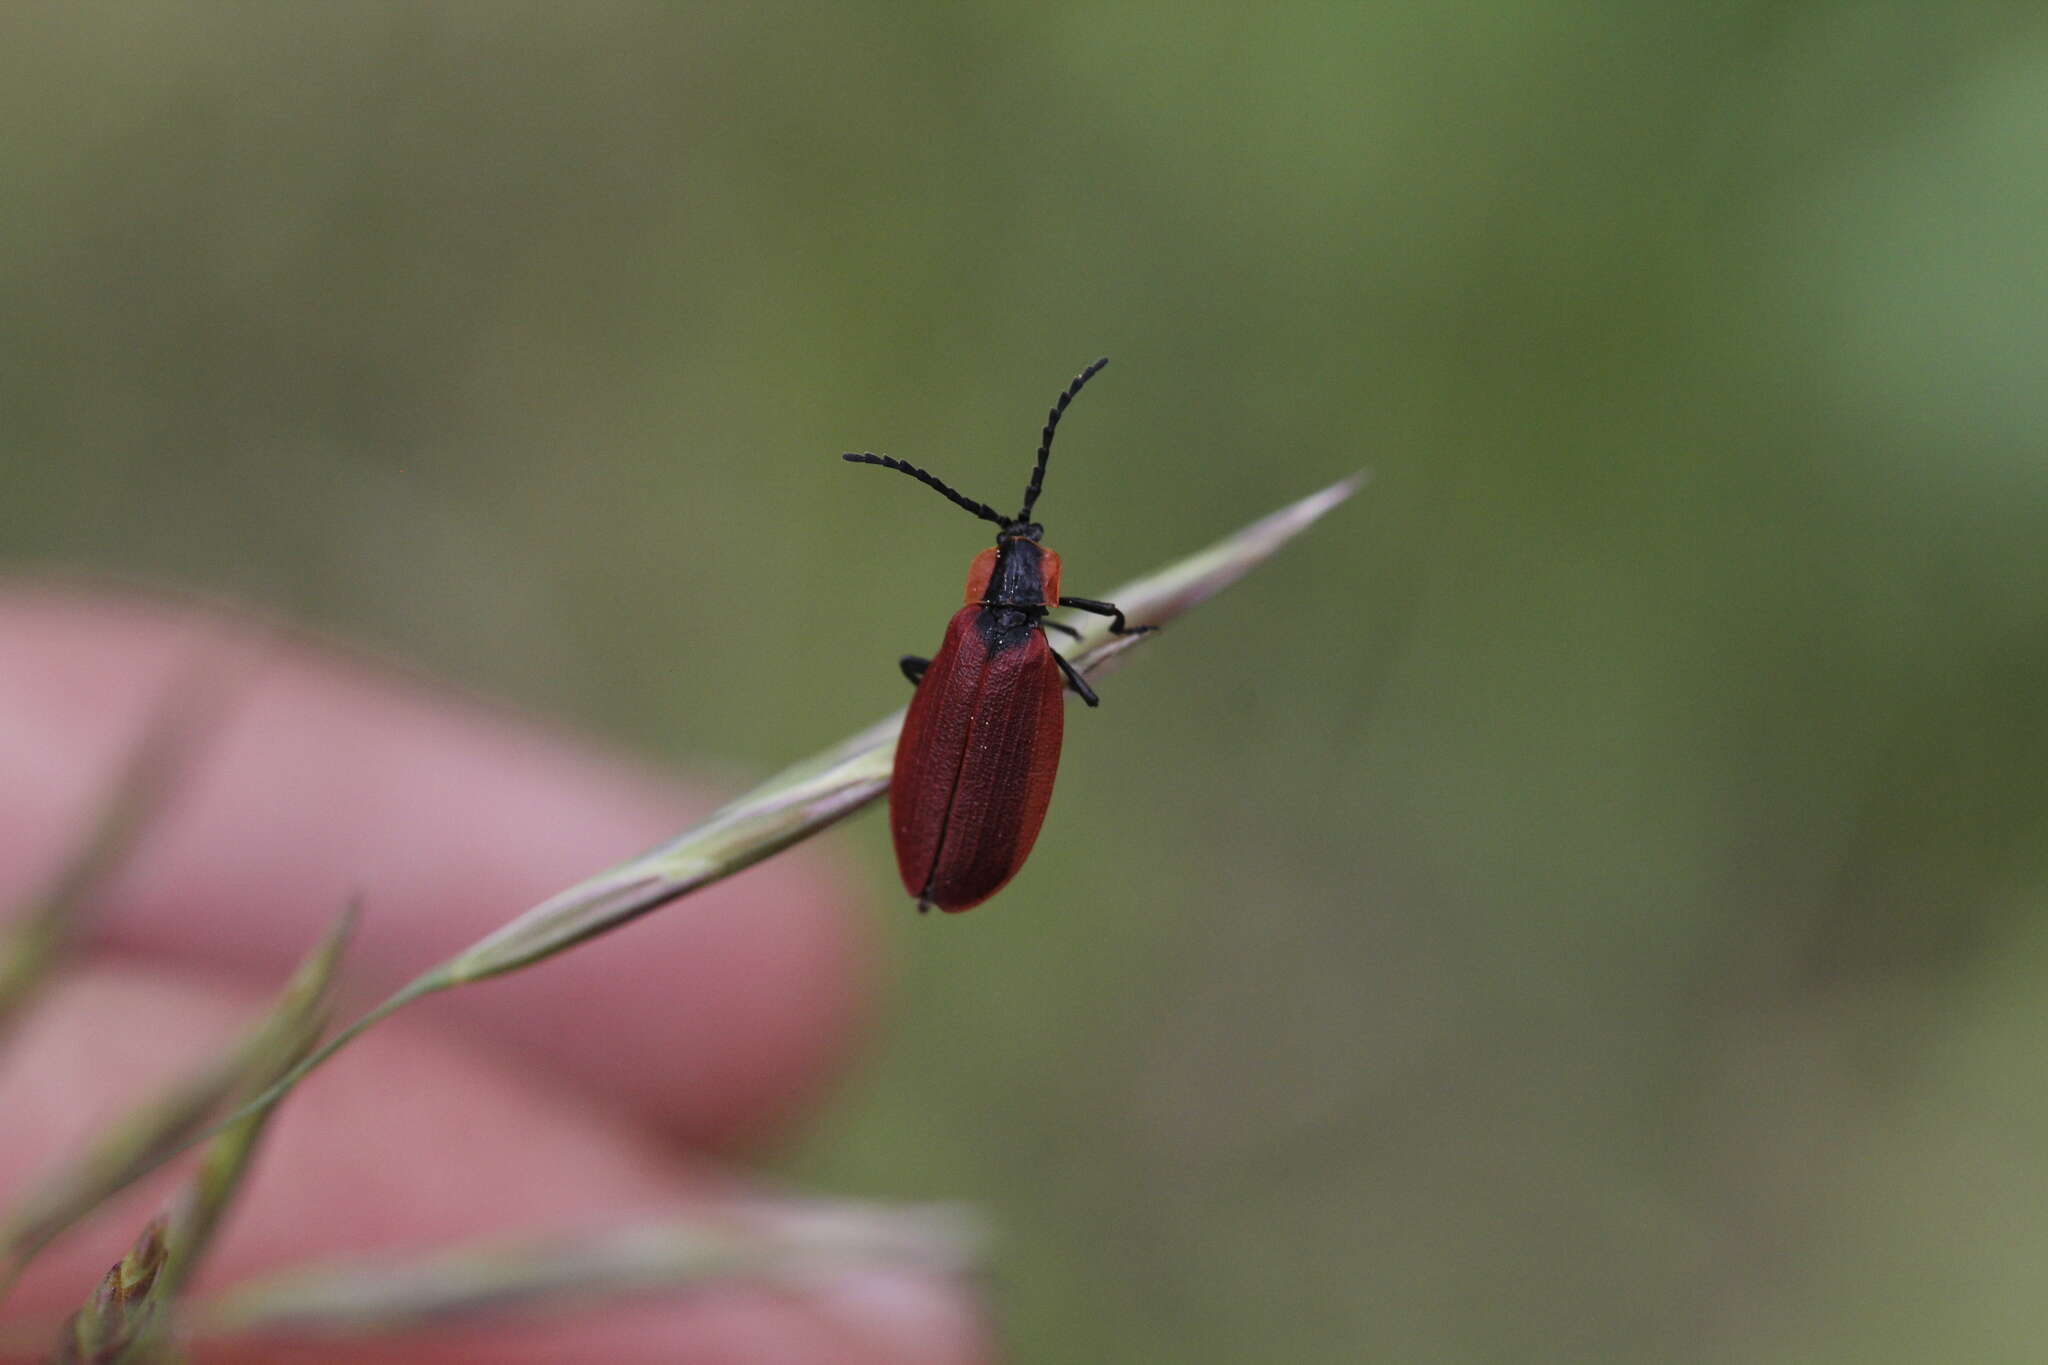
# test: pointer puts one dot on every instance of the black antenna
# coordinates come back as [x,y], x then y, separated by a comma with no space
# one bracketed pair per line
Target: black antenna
[1052,419]
[959,499]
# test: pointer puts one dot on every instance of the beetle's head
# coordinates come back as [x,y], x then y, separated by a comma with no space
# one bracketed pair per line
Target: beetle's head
[1020,530]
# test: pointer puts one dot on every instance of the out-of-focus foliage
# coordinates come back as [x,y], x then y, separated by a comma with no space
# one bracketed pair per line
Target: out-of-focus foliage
[1587,907]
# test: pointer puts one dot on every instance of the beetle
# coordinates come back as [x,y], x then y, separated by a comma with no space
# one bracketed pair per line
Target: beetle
[981,742]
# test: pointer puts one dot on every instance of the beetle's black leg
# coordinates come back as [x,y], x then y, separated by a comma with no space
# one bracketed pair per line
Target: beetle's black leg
[1117,625]
[1062,629]
[913,668]
[1075,680]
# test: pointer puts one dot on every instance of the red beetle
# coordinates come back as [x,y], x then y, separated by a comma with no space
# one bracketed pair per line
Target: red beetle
[981,744]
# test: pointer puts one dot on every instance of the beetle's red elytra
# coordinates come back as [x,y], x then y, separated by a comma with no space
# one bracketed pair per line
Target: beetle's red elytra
[981,743]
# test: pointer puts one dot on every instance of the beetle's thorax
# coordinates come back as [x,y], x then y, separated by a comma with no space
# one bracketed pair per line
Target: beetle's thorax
[1018,579]
[1017,572]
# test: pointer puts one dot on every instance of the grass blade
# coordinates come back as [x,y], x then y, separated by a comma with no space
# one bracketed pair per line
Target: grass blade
[802,800]
[37,938]
[779,1246]
[173,1121]
[300,1017]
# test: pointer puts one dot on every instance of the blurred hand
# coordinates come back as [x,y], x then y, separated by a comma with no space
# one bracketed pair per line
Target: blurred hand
[597,1088]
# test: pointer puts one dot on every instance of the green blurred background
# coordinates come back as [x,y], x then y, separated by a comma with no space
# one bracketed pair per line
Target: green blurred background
[1582,903]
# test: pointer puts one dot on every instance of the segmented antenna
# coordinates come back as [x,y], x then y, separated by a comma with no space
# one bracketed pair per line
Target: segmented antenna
[1052,419]
[957,498]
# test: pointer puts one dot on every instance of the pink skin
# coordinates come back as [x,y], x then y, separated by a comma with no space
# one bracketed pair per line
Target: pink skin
[596,1088]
